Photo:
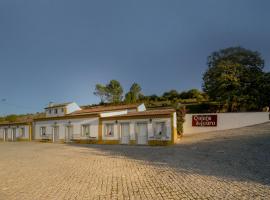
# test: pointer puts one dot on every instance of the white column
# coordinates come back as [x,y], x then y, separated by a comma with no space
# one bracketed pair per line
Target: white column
[53,134]
[12,135]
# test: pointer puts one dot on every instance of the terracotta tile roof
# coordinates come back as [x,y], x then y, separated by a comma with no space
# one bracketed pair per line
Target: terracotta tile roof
[145,113]
[99,109]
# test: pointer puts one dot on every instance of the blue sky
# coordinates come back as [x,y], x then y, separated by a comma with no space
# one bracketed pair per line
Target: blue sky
[57,50]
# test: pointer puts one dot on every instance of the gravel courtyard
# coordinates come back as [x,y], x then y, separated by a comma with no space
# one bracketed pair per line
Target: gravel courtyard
[232,164]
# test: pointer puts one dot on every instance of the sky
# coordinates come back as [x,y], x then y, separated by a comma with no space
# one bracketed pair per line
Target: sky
[57,50]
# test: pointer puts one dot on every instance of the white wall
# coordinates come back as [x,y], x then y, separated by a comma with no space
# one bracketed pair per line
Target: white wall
[72,107]
[132,127]
[62,124]
[226,121]
[113,113]
[141,108]
[60,111]
[18,136]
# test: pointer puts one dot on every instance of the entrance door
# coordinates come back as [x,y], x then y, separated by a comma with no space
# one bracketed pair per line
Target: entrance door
[13,134]
[125,133]
[55,133]
[142,135]
[68,135]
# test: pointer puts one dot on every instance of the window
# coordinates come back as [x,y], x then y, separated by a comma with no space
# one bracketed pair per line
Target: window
[62,109]
[50,111]
[22,132]
[43,131]
[55,111]
[160,129]
[86,130]
[109,130]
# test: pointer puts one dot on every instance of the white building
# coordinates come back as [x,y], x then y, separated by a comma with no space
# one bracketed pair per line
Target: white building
[122,124]
[17,131]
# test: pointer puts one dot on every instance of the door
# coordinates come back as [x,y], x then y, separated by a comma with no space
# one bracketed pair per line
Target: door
[13,134]
[142,135]
[55,133]
[125,133]
[68,135]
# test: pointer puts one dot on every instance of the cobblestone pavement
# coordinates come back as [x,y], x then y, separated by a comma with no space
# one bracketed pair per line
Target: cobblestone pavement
[231,164]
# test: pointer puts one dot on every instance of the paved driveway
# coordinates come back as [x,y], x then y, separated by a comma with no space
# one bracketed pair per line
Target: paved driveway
[231,164]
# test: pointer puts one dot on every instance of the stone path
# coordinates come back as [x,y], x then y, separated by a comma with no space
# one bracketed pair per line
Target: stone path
[231,164]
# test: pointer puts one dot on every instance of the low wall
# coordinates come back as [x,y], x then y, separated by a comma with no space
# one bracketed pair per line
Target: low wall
[221,121]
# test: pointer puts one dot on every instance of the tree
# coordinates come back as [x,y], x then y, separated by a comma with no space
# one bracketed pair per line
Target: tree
[112,92]
[232,78]
[193,94]
[134,93]
[101,92]
[171,95]
[264,90]
[11,118]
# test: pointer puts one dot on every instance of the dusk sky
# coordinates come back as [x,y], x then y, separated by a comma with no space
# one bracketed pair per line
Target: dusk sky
[57,50]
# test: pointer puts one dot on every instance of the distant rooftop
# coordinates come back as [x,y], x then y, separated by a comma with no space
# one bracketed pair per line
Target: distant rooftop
[54,105]
[104,108]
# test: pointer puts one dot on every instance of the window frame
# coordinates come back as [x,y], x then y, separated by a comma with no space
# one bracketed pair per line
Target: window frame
[158,135]
[106,128]
[83,130]
[41,131]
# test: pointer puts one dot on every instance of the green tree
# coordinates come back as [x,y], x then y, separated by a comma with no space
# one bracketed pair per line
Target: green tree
[114,92]
[134,93]
[111,93]
[170,95]
[101,92]
[11,118]
[264,90]
[232,78]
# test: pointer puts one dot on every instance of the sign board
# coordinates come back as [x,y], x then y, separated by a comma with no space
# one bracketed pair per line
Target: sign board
[204,120]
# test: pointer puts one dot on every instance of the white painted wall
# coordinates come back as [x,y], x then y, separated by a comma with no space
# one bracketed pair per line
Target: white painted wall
[62,124]
[17,136]
[132,127]
[113,113]
[141,108]
[60,112]
[226,121]
[72,107]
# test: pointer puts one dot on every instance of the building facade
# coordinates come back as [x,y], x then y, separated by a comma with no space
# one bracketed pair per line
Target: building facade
[17,131]
[122,124]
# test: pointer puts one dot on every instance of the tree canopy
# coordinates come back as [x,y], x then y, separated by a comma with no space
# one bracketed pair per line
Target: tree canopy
[111,93]
[134,93]
[233,78]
